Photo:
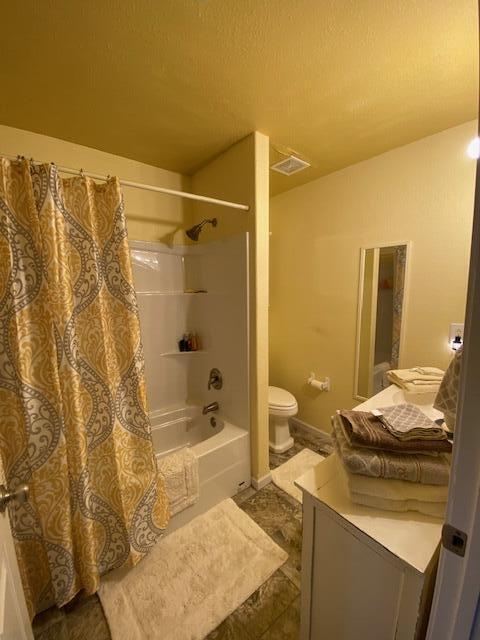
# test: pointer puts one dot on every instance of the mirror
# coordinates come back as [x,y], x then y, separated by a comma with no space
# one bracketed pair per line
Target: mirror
[381,302]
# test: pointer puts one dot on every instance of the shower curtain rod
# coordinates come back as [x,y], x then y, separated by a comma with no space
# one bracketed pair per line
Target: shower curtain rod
[149,187]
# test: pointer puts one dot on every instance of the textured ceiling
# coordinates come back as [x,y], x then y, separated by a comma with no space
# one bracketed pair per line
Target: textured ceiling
[174,82]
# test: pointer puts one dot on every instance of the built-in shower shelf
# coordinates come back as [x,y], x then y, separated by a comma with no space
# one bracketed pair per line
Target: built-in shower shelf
[182,353]
[172,293]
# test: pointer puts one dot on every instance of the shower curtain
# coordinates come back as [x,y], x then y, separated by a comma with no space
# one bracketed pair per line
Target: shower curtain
[73,422]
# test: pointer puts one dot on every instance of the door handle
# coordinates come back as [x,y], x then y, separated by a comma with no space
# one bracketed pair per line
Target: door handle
[20,494]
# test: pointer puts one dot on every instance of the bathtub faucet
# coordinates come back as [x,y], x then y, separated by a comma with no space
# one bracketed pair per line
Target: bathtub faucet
[213,406]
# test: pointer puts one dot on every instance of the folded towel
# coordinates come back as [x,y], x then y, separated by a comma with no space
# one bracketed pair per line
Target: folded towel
[396,489]
[362,429]
[397,495]
[435,509]
[407,422]
[425,388]
[446,400]
[384,464]
[429,371]
[417,374]
[417,380]
[180,474]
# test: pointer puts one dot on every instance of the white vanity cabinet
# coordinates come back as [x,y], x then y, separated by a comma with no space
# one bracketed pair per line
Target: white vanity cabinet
[367,574]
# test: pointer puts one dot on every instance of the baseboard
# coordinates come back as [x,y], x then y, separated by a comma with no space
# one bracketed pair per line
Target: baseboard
[259,483]
[321,435]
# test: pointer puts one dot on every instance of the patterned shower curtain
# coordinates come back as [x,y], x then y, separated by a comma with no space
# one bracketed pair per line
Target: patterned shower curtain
[399,262]
[73,421]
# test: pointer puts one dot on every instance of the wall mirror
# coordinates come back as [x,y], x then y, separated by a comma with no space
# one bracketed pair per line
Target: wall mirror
[380,318]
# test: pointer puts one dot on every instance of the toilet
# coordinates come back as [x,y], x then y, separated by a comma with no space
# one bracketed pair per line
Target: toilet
[281,406]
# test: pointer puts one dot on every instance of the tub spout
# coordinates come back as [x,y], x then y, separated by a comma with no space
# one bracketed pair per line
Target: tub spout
[213,406]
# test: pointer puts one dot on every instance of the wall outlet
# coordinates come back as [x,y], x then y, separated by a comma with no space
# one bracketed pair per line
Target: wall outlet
[456,329]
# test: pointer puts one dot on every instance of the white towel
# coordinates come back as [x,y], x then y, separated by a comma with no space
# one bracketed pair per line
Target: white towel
[396,489]
[180,474]
[429,371]
[397,495]
[435,509]
[417,379]
[417,375]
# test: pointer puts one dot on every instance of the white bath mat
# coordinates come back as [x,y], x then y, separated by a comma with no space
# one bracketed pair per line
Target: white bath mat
[285,475]
[192,579]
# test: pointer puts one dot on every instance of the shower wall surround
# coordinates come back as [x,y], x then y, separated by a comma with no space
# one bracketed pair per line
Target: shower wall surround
[163,277]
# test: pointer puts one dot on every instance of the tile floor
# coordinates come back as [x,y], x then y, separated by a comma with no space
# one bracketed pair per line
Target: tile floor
[271,613]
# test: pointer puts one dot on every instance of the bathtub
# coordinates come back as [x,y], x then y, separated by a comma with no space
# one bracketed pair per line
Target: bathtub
[222,449]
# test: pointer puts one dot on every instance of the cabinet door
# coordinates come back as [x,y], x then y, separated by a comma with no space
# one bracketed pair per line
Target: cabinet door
[356,592]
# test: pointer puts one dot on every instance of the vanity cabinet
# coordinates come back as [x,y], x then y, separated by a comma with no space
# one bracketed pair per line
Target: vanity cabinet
[367,574]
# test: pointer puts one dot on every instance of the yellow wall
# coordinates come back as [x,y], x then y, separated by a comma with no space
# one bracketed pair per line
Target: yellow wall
[150,216]
[240,174]
[421,192]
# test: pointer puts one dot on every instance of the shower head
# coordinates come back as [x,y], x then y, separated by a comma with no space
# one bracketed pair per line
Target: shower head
[194,231]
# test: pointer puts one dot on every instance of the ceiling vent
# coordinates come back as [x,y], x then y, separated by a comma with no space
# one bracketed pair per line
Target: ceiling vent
[290,165]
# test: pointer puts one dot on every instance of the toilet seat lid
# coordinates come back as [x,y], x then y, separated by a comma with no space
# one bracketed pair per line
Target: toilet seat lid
[278,397]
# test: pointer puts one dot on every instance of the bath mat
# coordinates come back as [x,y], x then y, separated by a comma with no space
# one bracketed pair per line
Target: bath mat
[192,579]
[285,475]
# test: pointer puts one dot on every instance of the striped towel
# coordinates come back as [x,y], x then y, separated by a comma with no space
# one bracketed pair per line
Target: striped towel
[426,469]
[363,429]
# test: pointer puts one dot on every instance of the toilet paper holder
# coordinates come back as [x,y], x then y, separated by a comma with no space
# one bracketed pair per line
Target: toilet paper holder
[321,385]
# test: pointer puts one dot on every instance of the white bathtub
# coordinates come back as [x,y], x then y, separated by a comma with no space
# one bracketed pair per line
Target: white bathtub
[223,453]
